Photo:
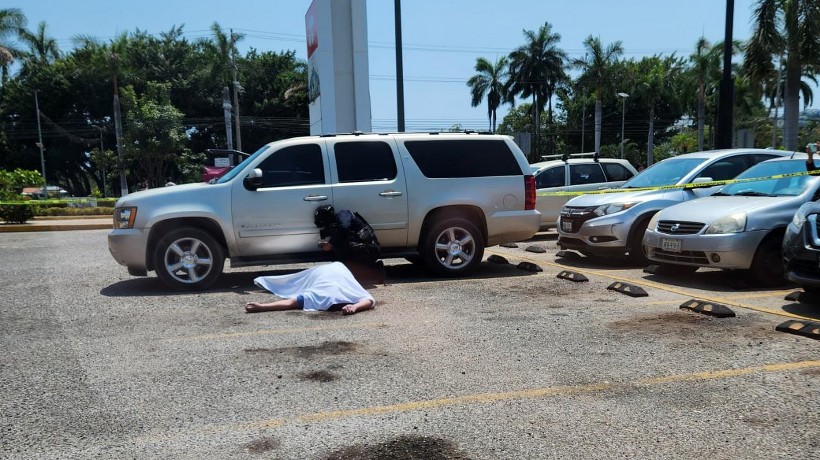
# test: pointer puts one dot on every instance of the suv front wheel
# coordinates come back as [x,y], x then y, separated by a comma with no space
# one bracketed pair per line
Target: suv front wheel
[188,258]
[453,247]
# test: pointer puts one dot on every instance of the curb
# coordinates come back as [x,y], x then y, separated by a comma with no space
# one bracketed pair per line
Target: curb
[56,226]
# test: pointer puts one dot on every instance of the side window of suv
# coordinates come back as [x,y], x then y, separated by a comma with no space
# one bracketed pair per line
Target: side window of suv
[552,177]
[294,165]
[364,161]
[463,158]
[616,172]
[585,174]
[726,168]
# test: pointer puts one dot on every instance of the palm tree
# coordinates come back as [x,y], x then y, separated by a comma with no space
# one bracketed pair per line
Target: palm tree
[705,68]
[489,82]
[654,82]
[12,20]
[42,48]
[788,28]
[597,68]
[534,71]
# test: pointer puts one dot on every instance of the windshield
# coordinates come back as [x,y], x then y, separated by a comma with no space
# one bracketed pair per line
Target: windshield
[233,172]
[785,186]
[667,172]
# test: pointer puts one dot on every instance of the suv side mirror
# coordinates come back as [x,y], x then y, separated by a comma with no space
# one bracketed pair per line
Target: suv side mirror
[253,180]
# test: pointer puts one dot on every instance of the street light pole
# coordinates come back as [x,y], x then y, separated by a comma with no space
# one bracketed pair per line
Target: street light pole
[40,144]
[623,97]
[105,187]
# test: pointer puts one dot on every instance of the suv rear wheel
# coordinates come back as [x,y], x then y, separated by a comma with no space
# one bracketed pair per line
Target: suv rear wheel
[453,247]
[188,258]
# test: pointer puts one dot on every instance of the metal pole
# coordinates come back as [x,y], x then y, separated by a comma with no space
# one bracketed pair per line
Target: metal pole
[399,68]
[727,85]
[235,96]
[40,144]
[623,118]
[102,149]
[583,118]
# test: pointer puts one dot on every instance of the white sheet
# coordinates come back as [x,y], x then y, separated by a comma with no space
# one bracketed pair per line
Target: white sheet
[322,286]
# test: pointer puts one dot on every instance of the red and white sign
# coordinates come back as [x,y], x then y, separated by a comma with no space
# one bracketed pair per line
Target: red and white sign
[312,30]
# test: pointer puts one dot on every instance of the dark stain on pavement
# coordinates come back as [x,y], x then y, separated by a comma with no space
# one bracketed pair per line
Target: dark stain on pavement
[318,376]
[402,448]
[261,445]
[324,348]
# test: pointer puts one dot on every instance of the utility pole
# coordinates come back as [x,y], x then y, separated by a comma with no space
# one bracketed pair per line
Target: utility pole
[399,68]
[727,85]
[235,96]
[40,144]
[583,117]
[226,106]
[102,149]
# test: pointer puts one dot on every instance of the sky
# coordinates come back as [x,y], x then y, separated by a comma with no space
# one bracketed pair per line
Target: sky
[441,38]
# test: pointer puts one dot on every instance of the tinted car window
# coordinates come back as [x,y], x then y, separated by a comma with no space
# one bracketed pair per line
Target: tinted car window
[586,174]
[552,177]
[463,158]
[364,161]
[727,168]
[294,165]
[616,172]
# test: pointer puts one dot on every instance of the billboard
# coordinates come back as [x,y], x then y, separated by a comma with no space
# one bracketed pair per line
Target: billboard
[338,73]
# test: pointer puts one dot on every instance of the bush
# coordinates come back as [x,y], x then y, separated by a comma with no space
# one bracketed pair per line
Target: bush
[17,213]
[68,212]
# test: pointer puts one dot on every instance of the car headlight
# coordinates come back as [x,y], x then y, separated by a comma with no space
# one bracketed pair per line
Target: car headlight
[124,217]
[733,223]
[653,222]
[612,208]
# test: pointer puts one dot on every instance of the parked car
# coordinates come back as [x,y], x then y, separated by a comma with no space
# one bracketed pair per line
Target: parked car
[801,248]
[437,198]
[613,224]
[740,227]
[574,175]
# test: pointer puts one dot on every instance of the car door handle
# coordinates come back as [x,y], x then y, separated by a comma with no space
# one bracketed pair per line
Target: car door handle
[389,193]
[315,198]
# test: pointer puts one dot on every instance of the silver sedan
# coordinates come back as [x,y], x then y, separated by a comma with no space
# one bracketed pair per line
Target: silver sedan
[738,228]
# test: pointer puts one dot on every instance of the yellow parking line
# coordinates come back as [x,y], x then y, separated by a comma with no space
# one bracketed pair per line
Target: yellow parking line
[485,398]
[276,331]
[663,287]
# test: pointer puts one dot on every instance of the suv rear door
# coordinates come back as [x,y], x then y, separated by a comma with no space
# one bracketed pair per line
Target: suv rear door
[367,178]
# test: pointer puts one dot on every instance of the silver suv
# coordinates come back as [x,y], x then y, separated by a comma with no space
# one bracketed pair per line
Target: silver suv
[613,224]
[437,198]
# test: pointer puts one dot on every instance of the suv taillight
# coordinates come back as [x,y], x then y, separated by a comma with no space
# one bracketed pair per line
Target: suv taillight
[529,193]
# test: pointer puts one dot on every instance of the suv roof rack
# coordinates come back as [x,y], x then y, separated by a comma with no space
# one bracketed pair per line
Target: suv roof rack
[565,157]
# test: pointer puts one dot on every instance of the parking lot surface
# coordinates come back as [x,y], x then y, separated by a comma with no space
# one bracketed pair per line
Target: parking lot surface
[508,363]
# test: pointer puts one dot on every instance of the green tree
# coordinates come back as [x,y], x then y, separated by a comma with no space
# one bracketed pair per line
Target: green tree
[535,69]
[489,82]
[597,67]
[42,48]
[655,82]
[12,20]
[788,28]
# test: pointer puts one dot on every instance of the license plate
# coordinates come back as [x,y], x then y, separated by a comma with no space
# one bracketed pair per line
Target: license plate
[668,244]
[566,226]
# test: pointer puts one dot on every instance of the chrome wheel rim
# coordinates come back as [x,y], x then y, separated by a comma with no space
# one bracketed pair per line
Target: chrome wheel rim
[188,260]
[455,248]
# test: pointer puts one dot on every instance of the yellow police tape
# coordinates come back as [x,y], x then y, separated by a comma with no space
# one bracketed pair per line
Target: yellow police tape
[681,186]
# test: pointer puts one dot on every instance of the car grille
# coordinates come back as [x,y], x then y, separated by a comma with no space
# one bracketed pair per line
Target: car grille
[679,228]
[577,216]
[692,257]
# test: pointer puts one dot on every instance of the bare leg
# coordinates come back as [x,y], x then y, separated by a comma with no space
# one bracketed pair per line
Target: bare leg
[279,305]
[354,308]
